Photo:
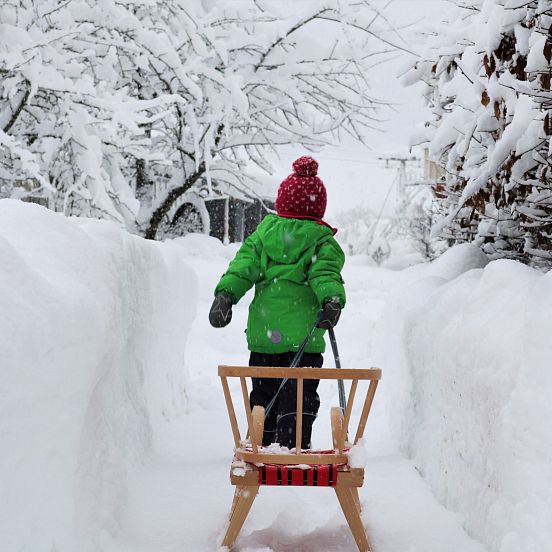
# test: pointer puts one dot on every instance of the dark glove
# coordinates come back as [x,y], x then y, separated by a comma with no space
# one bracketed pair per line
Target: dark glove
[331,311]
[221,311]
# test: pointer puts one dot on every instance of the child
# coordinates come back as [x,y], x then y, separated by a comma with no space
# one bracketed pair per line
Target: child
[295,264]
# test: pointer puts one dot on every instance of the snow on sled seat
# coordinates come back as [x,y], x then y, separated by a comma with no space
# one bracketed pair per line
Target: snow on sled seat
[255,466]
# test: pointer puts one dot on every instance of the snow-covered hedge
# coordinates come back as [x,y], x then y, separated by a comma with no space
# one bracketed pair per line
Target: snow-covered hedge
[93,328]
[468,380]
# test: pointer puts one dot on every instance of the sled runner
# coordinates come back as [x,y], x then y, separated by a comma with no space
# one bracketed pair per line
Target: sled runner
[254,467]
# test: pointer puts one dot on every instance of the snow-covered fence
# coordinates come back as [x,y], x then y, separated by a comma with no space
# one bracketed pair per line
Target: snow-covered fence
[93,325]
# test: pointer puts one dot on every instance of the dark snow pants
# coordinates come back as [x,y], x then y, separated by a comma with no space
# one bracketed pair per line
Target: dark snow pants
[279,425]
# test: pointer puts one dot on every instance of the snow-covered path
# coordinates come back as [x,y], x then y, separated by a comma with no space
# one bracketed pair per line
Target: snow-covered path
[181,501]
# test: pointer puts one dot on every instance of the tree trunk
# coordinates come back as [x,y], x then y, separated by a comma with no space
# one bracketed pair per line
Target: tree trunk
[174,194]
[168,202]
[141,178]
[17,111]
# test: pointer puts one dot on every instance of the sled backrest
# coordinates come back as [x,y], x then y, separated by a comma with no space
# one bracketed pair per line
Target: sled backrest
[255,419]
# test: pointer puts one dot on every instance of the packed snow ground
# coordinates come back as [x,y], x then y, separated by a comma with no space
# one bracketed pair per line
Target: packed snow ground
[115,436]
[181,502]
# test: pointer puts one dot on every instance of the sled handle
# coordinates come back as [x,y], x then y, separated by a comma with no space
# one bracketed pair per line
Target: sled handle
[296,373]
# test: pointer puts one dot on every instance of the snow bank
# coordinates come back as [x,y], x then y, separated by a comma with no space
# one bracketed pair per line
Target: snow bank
[92,334]
[466,391]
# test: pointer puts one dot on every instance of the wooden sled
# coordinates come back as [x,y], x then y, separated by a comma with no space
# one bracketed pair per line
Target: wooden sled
[253,467]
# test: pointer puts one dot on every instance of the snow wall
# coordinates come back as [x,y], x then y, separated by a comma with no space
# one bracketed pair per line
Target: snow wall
[92,335]
[466,349]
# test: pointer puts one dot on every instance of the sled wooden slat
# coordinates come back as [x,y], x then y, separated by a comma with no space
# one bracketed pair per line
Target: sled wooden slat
[258,424]
[299,416]
[305,373]
[366,410]
[338,436]
[248,413]
[231,411]
[349,408]
[291,458]
[247,472]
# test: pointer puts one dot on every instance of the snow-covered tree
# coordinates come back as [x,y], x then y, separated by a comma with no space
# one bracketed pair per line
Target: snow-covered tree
[488,76]
[270,76]
[117,109]
[69,127]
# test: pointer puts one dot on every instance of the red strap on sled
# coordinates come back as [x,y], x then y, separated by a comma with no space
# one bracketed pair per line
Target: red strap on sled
[315,475]
[318,475]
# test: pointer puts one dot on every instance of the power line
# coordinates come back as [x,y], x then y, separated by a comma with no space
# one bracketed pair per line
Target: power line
[369,159]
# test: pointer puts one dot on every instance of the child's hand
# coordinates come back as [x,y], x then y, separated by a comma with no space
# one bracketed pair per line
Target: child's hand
[221,311]
[331,311]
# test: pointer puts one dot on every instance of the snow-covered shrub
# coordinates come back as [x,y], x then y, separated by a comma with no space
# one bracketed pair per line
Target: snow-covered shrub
[414,221]
[93,331]
[488,73]
[406,233]
[356,228]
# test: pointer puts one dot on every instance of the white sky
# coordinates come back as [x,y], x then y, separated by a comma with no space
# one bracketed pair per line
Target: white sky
[352,174]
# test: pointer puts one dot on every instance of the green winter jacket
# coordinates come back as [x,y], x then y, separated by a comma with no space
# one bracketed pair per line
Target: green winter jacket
[295,265]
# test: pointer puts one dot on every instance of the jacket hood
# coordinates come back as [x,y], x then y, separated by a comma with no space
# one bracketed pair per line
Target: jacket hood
[317,220]
[285,240]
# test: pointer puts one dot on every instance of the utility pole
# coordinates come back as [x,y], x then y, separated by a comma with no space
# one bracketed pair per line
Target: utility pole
[400,164]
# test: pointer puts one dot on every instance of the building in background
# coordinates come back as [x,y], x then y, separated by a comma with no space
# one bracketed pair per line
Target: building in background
[226,212]
[434,174]
[232,219]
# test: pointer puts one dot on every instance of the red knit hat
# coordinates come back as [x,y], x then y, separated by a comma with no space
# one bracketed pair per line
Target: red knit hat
[302,193]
